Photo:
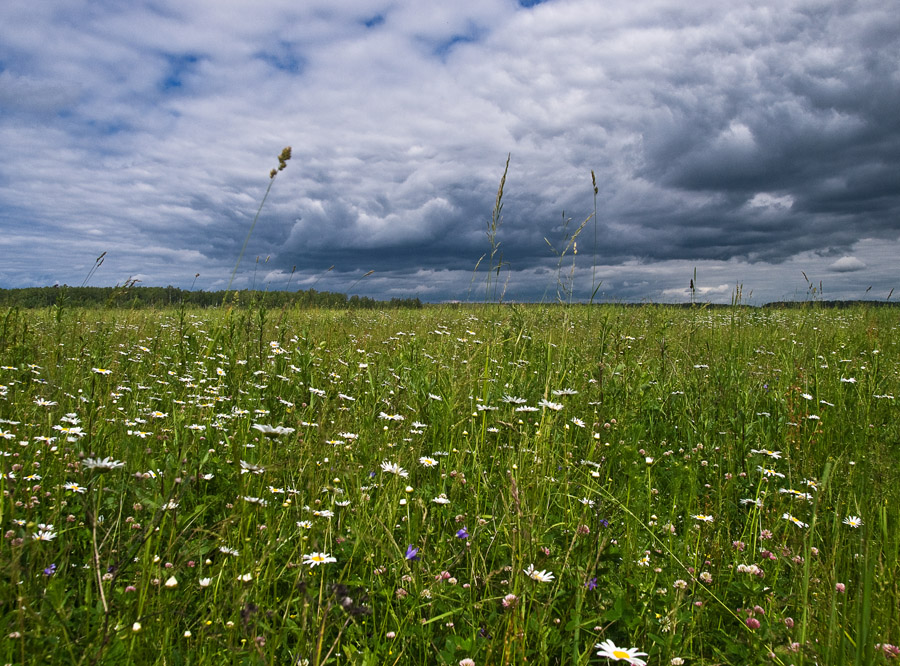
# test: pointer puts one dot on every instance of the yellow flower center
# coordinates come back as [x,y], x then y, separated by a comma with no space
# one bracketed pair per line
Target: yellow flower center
[621,654]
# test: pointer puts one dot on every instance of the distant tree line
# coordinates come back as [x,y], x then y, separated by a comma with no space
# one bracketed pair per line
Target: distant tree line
[155,297]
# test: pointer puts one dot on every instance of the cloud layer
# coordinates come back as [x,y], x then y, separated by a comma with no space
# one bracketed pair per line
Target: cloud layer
[749,140]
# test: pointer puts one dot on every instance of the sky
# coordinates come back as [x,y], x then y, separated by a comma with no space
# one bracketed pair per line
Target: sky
[754,144]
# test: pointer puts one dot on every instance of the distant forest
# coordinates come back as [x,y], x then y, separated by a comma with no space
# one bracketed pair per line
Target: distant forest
[130,296]
[155,297]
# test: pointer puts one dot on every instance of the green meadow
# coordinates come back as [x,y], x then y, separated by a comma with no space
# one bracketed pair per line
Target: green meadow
[450,485]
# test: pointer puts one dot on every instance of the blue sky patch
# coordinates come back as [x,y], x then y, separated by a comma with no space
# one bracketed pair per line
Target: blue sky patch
[376,20]
[179,66]
[285,59]
[443,48]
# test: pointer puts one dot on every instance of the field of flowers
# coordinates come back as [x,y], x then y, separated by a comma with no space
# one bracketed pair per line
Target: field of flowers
[451,485]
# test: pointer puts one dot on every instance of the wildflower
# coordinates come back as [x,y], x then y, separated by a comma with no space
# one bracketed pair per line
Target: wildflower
[72,433]
[315,559]
[229,551]
[204,582]
[412,553]
[255,500]
[796,521]
[425,461]
[840,587]
[889,650]
[609,650]
[101,371]
[102,464]
[853,521]
[467,662]
[770,472]
[462,534]
[703,517]
[245,578]
[555,406]
[44,535]
[250,467]
[75,488]
[270,430]
[49,571]
[393,468]
[539,576]
[772,454]
[510,601]
[441,499]
[795,493]
[136,627]
[304,524]
[172,582]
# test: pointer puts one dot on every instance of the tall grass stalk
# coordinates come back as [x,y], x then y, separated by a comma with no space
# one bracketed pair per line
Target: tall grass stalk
[494,256]
[283,159]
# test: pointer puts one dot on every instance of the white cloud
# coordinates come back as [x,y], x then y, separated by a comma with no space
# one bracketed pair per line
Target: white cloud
[847,265]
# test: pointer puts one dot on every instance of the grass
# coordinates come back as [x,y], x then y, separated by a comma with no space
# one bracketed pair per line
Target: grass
[618,454]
